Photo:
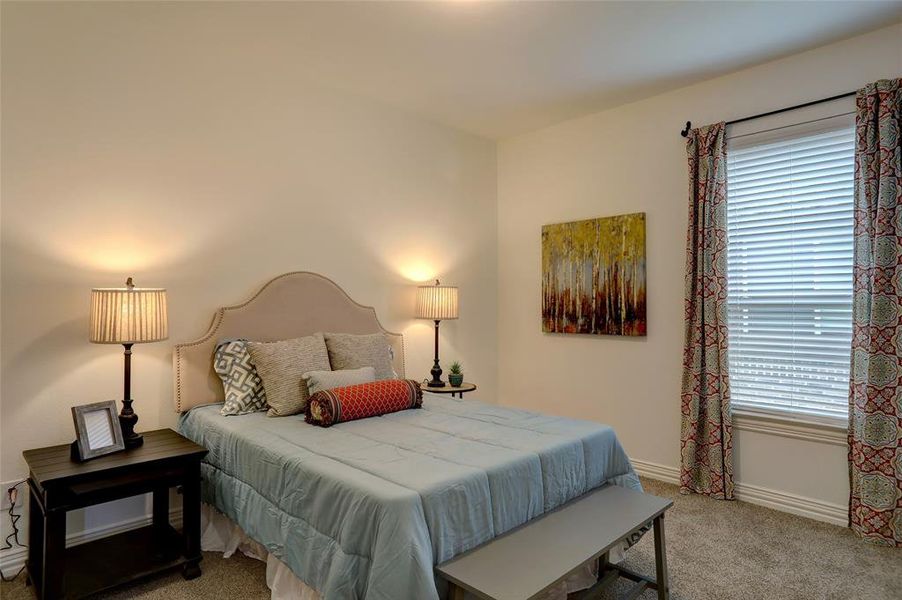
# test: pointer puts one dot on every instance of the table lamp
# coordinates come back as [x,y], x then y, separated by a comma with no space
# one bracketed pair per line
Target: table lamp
[128,316]
[437,303]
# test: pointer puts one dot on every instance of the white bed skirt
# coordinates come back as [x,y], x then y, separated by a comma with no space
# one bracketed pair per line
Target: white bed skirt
[221,534]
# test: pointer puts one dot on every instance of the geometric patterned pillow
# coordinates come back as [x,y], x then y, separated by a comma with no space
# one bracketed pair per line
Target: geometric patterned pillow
[242,386]
[327,407]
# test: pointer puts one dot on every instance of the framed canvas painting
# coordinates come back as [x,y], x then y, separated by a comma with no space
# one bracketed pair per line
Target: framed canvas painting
[593,276]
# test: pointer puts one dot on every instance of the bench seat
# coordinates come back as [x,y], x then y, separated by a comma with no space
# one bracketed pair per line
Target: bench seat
[528,560]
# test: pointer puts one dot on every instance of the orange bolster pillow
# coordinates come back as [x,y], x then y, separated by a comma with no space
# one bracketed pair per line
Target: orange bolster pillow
[327,407]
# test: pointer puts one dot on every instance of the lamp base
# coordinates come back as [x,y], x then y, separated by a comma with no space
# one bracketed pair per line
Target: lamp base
[127,420]
[436,373]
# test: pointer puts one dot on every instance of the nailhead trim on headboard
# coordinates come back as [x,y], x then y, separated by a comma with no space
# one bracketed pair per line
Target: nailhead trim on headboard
[221,312]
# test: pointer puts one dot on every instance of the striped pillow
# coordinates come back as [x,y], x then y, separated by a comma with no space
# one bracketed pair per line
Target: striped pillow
[328,407]
[281,366]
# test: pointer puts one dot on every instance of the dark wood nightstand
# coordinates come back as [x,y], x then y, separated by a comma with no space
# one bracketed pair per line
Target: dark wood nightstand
[459,390]
[57,484]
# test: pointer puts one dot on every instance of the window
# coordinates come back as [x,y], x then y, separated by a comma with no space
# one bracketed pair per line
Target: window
[789,265]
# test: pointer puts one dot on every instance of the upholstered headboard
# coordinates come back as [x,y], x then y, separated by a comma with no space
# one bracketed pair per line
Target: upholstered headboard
[289,306]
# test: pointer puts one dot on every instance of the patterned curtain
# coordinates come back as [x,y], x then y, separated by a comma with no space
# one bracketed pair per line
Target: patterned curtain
[706,465]
[875,397]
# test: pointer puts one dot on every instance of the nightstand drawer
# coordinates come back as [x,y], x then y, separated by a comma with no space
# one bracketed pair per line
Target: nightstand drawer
[102,490]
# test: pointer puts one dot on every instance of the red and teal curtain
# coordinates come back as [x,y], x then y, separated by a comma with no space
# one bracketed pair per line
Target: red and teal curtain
[706,465]
[875,399]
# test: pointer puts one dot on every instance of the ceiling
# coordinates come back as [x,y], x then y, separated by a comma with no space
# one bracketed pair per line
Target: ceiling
[497,69]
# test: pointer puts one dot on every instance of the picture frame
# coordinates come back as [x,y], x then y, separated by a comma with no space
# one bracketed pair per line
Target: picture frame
[97,430]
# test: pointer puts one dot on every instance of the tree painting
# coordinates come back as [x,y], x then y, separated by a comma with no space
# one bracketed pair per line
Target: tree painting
[593,276]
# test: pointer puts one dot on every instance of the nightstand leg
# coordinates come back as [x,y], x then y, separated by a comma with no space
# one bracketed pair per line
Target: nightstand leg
[191,522]
[35,541]
[161,508]
[53,570]
[161,521]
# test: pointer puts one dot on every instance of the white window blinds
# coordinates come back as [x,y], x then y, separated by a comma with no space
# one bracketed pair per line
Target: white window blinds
[789,265]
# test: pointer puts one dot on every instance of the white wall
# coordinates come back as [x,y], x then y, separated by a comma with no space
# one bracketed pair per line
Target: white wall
[632,159]
[187,152]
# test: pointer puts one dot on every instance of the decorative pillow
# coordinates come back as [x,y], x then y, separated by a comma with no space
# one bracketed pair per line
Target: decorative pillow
[327,380]
[328,407]
[281,366]
[349,351]
[241,385]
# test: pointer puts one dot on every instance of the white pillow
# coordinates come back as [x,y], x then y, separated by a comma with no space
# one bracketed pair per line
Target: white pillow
[327,380]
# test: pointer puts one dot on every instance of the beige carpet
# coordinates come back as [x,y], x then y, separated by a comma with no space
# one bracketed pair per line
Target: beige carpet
[716,550]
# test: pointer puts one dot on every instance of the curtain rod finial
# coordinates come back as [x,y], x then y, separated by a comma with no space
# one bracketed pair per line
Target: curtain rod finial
[685,132]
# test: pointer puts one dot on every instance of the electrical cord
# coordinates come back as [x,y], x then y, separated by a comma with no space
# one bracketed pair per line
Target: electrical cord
[12,540]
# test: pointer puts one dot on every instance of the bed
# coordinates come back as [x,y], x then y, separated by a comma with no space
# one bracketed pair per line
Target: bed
[367,508]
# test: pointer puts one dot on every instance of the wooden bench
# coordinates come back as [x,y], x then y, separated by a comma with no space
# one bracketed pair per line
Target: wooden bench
[539,554]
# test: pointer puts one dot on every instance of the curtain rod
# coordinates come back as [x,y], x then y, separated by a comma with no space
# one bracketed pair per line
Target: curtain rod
[685,132]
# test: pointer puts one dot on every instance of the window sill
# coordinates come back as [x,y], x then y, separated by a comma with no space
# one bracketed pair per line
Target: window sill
[812,429]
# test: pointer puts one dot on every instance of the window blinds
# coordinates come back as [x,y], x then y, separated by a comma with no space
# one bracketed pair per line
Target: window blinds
[789,266]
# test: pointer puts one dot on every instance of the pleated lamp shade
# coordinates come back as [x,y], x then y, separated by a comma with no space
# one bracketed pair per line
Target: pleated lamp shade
[128,315]
[437,302]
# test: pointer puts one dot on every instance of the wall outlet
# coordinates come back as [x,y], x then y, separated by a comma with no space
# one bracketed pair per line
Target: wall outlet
[22,498]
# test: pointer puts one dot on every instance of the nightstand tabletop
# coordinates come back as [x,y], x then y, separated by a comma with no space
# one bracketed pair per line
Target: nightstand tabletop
[450,389]
[54,463]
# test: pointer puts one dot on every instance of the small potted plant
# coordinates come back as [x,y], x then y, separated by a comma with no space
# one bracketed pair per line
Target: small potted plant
[455,375]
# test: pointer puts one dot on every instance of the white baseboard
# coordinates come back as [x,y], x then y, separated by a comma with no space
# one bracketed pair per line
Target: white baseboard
[656,471]
[13,559]
[828,512]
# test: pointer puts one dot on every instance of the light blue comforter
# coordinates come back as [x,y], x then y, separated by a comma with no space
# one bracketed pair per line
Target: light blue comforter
[365,509]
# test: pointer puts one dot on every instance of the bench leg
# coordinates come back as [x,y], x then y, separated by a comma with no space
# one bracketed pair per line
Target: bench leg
[455,592]
[604,563]
[661,560]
